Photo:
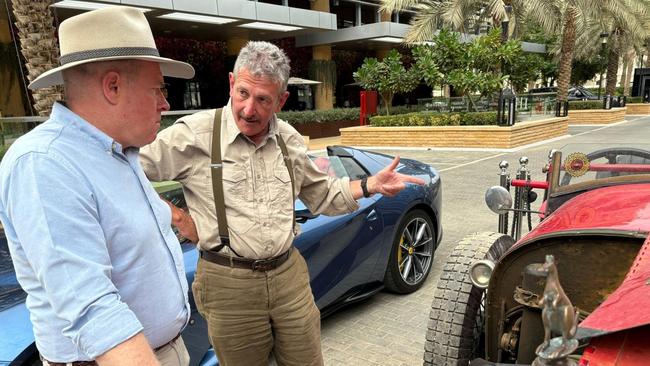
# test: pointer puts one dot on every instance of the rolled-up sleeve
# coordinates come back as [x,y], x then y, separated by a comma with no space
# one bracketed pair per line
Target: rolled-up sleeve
[56,221]
[171,155]
[317,190]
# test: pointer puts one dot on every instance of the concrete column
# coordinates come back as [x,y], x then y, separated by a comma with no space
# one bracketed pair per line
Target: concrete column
[320,5]
[381,52]
[324,95]
[233,45]
[11,104]
[384,16]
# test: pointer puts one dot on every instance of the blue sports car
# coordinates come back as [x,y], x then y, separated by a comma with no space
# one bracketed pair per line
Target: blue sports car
[387,243]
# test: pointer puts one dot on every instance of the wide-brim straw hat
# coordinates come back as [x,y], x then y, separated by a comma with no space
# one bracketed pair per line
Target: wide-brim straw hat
[114,33]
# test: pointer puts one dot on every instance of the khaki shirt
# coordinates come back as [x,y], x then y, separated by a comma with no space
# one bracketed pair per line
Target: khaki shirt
[256,183]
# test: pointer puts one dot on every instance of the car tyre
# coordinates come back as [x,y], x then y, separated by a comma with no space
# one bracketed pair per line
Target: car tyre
[411,253]
[455,328]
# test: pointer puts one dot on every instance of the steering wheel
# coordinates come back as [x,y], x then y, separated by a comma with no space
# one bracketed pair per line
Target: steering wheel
[612,154]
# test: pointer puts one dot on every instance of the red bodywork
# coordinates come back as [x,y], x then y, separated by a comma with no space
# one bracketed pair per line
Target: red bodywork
[620,326]
[627,209]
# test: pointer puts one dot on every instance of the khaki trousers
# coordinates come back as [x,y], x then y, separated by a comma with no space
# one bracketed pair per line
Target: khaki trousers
[173,354]
[251,313]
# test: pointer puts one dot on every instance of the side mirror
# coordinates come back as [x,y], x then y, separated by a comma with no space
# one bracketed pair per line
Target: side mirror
[498,199]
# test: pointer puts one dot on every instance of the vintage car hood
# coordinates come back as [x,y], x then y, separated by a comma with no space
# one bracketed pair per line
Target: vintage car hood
[618,208]
[626,307]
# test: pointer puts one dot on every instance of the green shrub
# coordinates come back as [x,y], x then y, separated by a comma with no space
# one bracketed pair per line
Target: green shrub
[318,116]
[436,119]
[585,104]
[168,120]
[330,115]
[634,100]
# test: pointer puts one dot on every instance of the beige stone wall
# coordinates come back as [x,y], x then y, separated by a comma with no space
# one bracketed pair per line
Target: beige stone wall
[597,116]
[637,108]
[522,133]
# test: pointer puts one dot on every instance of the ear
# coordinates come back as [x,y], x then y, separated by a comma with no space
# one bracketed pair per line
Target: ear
[283,99]
[112,86]
[231,79]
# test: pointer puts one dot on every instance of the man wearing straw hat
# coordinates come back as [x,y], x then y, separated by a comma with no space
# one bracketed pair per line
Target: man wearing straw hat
[89,237]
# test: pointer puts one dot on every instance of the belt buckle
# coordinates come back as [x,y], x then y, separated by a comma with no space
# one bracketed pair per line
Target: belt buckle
[262,265]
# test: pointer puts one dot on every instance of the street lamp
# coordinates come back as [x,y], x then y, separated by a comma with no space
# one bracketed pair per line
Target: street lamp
[603,45]
[506,94]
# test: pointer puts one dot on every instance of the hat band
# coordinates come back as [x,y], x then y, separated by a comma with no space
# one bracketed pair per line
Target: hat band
[108,52]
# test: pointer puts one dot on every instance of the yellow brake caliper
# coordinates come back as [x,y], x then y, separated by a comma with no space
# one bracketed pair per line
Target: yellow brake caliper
[399,253]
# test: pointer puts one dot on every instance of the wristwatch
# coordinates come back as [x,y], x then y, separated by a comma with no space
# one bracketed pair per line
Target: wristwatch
[364,187]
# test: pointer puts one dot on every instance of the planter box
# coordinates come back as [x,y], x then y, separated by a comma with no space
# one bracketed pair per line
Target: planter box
[597,116]
[522,133]
[637,108]
[317,130]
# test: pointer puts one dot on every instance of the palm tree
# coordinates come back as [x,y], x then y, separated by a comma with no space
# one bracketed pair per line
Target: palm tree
[626,34]
[39,47]
[570,17]
[458,15]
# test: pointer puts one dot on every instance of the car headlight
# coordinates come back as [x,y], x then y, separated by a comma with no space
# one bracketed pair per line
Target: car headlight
[480,273]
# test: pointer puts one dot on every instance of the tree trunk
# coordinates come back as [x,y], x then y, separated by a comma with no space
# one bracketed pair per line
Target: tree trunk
[612,71]
[566,55]
[629,58]
[39,47]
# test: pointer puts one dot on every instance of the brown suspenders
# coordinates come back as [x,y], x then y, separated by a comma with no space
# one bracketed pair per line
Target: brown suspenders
[216,167]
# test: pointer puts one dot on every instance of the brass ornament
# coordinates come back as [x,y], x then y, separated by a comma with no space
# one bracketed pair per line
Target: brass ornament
[576,164]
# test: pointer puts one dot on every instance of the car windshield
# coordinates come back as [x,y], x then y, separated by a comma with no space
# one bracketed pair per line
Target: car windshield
[585,165]
[333,165]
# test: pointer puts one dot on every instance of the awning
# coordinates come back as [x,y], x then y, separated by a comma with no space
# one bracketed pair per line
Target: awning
[300,81]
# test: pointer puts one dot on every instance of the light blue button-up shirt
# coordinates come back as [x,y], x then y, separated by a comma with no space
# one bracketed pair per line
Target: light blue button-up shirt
[91,241]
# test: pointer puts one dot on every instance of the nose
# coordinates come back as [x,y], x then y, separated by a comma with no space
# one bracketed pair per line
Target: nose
[164,104]
[249,107]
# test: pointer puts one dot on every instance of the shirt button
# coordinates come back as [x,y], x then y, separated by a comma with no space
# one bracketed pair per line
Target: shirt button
[260,200]
[266,224]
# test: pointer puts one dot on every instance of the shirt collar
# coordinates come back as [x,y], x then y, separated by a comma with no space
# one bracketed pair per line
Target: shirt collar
[232,131]
[61,113]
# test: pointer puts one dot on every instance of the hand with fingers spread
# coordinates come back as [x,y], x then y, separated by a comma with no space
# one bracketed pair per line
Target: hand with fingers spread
[387,182]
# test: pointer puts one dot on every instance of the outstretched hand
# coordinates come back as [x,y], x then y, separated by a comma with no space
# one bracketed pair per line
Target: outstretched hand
[388,182]
[183,222]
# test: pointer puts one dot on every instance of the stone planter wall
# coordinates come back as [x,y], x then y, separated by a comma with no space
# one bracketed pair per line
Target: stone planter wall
[522,133]
[637,108]
[597,116]
[317,130]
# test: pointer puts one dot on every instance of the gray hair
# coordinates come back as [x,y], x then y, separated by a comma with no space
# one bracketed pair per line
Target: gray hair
[264,59]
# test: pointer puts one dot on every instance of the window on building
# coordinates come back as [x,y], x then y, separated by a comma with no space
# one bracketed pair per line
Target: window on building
[192,95]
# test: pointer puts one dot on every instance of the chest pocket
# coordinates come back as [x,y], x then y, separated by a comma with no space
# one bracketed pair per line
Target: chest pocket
[239,200]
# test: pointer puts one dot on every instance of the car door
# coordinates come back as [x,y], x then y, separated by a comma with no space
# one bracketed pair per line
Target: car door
[339,250]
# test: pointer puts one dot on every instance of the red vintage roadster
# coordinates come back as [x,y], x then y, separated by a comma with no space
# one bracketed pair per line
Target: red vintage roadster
[575,290]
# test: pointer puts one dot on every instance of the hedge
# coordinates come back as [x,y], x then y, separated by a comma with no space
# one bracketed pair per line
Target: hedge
[317,116]
[634,100]
[436,119]
[585,104]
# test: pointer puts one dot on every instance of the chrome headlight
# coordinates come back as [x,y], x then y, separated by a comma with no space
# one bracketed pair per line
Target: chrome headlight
[480,273]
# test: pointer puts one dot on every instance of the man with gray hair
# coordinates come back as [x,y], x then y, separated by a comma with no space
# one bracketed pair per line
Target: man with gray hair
[241,169]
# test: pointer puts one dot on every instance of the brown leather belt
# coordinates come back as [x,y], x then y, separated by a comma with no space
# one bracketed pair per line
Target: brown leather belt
[93,363]
[261,265]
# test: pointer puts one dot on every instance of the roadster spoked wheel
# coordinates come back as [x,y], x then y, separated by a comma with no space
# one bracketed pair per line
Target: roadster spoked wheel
[412,254]
[455,331]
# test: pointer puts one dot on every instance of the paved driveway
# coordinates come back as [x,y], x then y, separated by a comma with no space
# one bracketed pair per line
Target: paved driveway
[389,329]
